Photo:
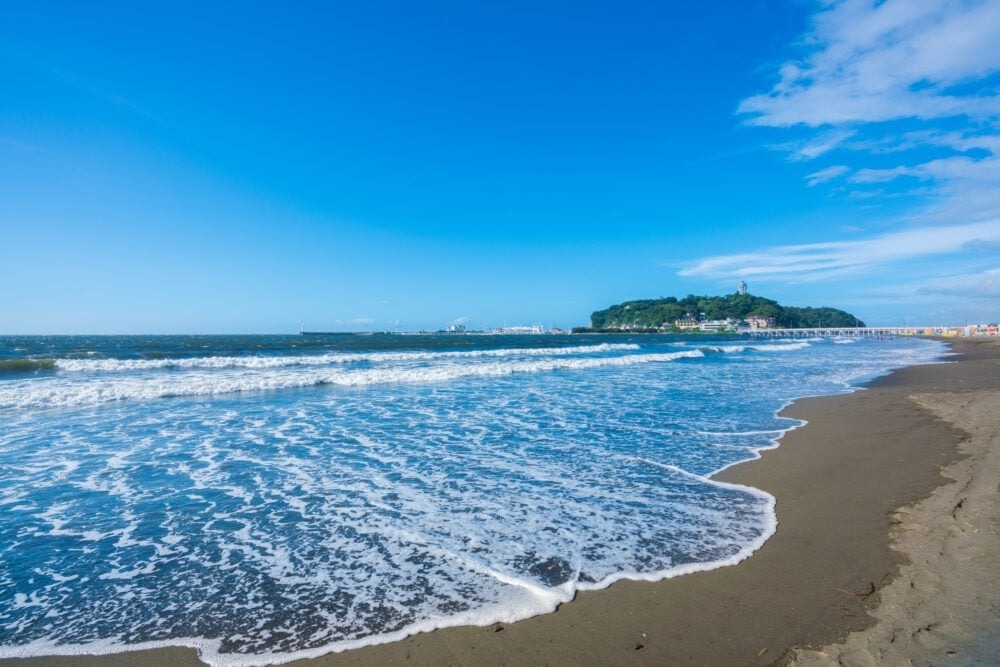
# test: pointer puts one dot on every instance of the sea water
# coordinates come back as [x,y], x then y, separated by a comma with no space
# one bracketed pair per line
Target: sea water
[266,498]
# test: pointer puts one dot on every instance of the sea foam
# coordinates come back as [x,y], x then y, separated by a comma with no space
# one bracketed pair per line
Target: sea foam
[423,489]
[284,376]
[263,362]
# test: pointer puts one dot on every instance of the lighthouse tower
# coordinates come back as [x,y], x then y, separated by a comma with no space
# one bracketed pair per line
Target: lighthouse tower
[742,288]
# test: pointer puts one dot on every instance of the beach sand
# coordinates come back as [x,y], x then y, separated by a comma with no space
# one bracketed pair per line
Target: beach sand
[863,476]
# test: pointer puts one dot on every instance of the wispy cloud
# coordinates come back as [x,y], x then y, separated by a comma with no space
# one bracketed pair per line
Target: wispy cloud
[932,69]
[828,174]
[810,149]
[959,141]
[878,61]
[983,285]
[927,63]
[953,169]
[819,261]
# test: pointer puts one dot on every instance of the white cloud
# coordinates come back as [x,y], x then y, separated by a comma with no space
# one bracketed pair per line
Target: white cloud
[932,68]
[957,187]
[819,261]
[874,61]
[959,141]
[984,285]
[879,175]
[809,149]
[828,174]
[868,62]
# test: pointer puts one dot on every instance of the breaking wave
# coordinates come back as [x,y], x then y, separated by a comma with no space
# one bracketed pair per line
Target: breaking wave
[201,383]
[113,365]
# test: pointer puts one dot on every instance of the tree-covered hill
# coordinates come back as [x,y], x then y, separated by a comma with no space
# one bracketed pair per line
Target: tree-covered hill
[657,313]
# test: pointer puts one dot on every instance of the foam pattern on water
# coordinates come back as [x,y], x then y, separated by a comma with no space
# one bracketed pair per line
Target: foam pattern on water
[469,486]
[60,390]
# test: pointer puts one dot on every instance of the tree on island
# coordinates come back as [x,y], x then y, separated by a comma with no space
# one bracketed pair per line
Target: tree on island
[662,313]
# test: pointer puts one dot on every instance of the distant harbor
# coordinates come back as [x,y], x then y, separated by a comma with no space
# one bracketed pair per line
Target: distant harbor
[501,330]
[962,331]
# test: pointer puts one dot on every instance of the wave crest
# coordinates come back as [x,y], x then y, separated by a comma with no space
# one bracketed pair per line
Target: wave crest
[119,365]
[195,383]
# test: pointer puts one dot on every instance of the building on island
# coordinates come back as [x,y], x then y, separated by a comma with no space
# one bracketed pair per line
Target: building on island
[715,326]
[760,322]
[692,323]
[686,323]
[742,289]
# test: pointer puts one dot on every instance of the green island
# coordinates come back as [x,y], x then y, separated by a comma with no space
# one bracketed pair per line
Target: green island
[734,313]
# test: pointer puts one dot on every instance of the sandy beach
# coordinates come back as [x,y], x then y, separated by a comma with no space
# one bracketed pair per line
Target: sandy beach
[888,538]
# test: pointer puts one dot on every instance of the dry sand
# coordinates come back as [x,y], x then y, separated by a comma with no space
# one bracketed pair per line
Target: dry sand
[840,484]
[944,607]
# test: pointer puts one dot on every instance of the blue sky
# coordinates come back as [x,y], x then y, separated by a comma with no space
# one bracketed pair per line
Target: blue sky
[171,168]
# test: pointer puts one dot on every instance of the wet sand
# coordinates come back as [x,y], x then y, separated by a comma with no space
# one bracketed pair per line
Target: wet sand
[839,483]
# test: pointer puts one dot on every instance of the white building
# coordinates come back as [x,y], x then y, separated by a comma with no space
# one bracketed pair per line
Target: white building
[760,322]
[713,326]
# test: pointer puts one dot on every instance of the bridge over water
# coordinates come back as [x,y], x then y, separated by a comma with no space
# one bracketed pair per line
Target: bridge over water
[859,332]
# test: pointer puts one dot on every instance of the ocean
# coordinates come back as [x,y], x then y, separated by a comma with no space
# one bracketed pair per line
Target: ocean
[267,498]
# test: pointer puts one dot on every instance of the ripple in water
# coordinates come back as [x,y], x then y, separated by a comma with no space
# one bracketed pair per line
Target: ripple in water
[466,486]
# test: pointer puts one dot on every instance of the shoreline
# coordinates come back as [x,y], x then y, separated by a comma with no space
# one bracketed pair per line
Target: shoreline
[810,584]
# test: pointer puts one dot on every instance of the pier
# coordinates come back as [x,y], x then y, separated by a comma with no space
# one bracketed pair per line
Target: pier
[857,332]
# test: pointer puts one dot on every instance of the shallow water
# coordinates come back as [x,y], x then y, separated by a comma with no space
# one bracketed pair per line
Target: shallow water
[271,497]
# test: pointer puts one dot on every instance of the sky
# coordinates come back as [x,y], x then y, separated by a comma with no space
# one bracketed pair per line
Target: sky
[251,167]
